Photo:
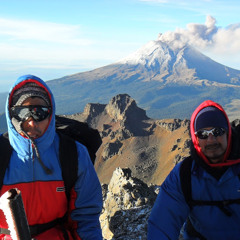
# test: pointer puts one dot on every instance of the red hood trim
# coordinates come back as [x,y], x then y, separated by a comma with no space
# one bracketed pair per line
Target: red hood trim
[19,85]
[226,161]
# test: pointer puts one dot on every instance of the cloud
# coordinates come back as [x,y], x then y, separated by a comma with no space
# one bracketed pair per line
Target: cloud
[21,30]
[199,35]
[43,44]
[227,40]
[52,44]
[206,37]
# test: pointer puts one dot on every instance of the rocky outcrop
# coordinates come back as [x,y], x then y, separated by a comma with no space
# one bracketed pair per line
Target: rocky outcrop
[136,155]
[93,110]
[150,148]
[90,114]
[173,124]
[111,149]
[127,205]
[122,106]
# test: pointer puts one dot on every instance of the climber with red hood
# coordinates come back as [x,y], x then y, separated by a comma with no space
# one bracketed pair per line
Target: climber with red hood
[35,169]
[201,195]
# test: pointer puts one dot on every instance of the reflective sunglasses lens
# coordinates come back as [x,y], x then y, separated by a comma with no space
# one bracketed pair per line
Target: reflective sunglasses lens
[38,113]
[23,113]
[218,132]
[19,113]
[203,134]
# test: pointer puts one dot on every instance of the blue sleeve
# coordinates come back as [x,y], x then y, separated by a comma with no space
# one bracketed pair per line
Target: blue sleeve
[88,203]
[169,211]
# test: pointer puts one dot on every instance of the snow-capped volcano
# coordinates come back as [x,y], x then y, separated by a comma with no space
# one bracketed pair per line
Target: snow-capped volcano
[168,79]
[148,54]
[169,62]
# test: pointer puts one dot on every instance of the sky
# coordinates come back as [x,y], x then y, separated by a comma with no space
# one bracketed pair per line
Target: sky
[55,38]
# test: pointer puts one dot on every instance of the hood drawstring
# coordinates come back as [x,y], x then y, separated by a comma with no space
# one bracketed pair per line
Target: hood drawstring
[45,168]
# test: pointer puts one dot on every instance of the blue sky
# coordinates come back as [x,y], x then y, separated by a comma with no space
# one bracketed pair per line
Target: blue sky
[54,38]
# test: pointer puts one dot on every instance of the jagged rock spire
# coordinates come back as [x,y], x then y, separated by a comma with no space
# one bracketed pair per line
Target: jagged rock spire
[122,106]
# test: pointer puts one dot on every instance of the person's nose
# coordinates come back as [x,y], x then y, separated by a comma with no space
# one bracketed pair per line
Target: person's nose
[211,138]
[31,123]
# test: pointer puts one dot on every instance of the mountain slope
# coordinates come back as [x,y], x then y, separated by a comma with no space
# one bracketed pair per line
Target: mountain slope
[150,148]
[168,82]
[166,63]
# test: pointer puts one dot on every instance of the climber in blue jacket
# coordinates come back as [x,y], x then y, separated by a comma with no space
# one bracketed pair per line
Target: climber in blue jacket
[34,168]
[210,207]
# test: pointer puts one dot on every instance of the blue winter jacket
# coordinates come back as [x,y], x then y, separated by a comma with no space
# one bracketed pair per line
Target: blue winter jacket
[170,210]
[43,194]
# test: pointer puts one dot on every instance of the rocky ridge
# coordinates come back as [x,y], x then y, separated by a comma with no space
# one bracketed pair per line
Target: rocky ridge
[136,155]
[130,139]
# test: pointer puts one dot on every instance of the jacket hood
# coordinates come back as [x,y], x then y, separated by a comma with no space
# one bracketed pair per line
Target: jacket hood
[226,161]
[22,144]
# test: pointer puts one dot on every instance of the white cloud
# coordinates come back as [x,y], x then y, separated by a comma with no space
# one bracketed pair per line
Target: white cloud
[219,43]
[199,35]
[45,45]
[54,45]
[42,31]
[227,40]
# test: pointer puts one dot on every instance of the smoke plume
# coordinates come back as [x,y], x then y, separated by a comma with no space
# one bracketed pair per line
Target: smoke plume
[206,37]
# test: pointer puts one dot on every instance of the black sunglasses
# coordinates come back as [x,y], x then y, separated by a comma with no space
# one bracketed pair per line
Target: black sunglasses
[37,112]
[203,134]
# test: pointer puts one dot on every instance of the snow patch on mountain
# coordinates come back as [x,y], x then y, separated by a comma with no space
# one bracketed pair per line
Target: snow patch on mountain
[148,54]
[169,62]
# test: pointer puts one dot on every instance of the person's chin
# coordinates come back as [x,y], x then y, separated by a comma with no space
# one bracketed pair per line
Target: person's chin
[214,161]
[34,136]
[215,158]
